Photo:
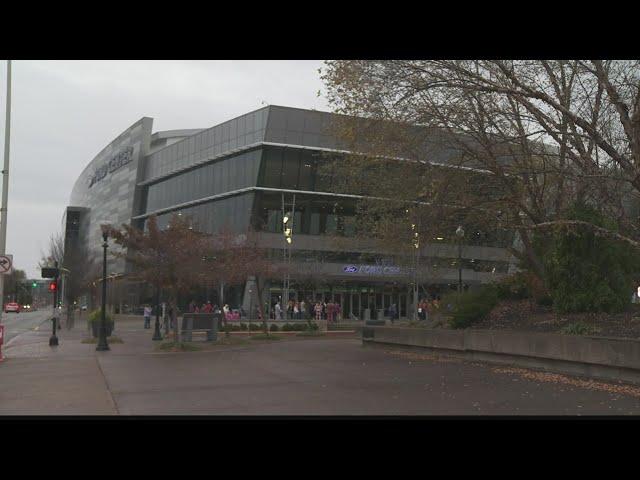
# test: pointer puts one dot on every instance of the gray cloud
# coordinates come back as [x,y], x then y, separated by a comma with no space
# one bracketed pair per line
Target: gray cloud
[65,112]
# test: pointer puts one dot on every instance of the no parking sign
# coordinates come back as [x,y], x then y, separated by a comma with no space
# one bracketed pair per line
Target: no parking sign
[6,264]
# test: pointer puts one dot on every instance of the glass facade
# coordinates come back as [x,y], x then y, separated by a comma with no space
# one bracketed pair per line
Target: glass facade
[295,169]
[232,213]
[237,133]
[229,174]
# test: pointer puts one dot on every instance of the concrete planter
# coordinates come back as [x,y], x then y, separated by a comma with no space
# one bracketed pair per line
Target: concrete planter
[95,326]
[600,357]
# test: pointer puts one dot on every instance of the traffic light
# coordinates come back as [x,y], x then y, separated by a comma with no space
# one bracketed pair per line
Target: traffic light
[53,286]
[34,284]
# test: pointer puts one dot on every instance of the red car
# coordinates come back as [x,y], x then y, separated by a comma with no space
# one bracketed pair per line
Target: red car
[12,307]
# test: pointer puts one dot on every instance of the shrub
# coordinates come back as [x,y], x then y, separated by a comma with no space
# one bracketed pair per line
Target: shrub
[255,326]
[514,287]
[273,327]
[243,326]
[287,327]
[96,316]
[470,307]
[313,326]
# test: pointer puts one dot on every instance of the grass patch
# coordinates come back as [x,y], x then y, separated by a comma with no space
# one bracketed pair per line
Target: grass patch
[579,328]
[312,333]
[223,340]
[265,337]
[178,347]
[109,340]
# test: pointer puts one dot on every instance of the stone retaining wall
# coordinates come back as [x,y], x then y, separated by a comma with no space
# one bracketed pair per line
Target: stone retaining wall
[608,358]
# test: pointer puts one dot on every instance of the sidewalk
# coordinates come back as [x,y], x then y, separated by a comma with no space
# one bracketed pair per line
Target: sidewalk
[37,379]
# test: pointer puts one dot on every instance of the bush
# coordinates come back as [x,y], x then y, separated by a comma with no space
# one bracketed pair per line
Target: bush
[273,328]
[287,327]
[255,326]
[470,307]
[243,326]
[96,316]
[514,287]
[313,327]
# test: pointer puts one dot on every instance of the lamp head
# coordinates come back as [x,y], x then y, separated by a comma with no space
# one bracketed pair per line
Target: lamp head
[460,232]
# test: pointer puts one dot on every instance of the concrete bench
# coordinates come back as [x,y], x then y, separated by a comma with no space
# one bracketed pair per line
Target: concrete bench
[200,322]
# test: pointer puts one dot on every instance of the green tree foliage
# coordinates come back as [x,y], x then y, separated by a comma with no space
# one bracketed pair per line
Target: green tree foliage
[587,272]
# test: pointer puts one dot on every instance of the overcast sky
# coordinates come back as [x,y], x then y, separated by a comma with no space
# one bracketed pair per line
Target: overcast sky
[64,112]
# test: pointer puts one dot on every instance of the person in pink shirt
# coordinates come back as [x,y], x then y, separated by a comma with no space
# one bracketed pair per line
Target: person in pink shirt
[207,308]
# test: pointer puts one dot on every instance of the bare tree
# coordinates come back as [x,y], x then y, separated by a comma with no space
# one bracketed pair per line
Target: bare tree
[542,134]
[54,253]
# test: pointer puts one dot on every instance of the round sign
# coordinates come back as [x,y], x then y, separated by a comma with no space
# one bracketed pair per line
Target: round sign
[6,262]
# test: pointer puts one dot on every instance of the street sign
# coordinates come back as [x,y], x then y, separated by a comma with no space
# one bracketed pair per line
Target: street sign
[6,264]
[49,272]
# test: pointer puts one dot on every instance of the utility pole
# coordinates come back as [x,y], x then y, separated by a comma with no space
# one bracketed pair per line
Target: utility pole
[5,182]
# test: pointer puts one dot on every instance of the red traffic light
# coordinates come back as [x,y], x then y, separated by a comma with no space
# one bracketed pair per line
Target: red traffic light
[53,287]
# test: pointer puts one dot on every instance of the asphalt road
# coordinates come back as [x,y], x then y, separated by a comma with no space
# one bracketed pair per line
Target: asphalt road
[18,323]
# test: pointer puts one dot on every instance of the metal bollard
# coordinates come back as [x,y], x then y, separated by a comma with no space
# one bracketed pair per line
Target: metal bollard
[53,341]
[1,341]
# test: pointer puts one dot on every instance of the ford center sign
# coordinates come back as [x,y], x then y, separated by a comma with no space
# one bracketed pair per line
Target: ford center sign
[372,269]
[124,157]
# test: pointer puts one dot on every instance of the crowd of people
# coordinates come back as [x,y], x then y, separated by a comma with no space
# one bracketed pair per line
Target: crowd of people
[303,310]
[427,307]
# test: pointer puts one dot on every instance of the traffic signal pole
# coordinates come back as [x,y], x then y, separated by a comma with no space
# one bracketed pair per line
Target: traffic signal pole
[53,341]
[5,182]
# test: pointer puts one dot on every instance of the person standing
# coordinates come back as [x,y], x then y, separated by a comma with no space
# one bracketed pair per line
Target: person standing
[207,308]
[192,307]
[296,311]
[147,316]
[303,310]
[278,310]
[330,311]
[318,310]
[392,312]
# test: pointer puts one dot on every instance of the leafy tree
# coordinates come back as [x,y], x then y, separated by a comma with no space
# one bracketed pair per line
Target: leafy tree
[170,259]
[587,272]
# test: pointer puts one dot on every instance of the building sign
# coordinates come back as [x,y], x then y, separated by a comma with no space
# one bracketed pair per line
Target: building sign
[372,269]
[122,158]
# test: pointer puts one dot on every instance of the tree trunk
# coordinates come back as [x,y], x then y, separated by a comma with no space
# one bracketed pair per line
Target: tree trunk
[174,319]
[260,309]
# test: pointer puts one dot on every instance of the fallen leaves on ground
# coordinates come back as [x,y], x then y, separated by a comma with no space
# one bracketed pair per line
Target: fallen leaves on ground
[422,356]
[576,382]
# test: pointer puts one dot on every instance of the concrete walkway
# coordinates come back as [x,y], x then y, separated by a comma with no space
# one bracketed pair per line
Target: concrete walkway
[313,376]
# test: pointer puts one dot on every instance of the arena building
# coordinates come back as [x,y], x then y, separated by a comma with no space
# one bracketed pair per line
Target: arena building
[247,173]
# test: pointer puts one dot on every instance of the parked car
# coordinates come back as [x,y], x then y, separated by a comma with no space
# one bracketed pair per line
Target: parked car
[12,307]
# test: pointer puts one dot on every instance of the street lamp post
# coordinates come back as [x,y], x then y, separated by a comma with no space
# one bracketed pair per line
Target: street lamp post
[102,331]
[460,235]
